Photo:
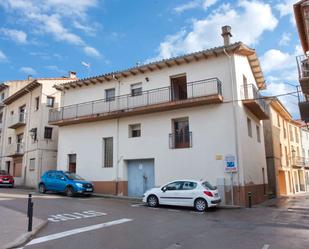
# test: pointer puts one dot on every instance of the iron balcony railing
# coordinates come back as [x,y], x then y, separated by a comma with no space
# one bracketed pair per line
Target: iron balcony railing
[180,140]
[201,88]
[299,161]
[250,92]
[15,119]
[303,66]
[15,149]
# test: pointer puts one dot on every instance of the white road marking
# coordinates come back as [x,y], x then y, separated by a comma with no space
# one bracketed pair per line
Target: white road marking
[266,246]
[138,205]
[173,210]
[75,216]
[76,231]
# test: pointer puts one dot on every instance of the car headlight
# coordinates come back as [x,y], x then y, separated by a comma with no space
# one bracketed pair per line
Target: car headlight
[80,185]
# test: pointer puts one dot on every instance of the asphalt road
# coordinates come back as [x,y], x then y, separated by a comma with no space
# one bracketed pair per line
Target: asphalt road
[97,223]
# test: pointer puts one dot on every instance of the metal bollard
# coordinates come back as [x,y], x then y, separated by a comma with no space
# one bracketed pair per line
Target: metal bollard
[250,199]
[30,212]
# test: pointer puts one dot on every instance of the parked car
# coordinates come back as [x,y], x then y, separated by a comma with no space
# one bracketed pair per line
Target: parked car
[6,179]
[198,194]
[64,182]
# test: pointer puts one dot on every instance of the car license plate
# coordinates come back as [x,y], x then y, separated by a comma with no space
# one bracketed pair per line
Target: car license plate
[6,181]
[88,189]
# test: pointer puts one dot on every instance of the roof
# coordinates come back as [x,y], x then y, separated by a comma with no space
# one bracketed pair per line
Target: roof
[279,107]
[3,86]
[236,48]
[23,91]
[300,23]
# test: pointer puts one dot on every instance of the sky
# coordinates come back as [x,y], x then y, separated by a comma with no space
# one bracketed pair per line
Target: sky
[51,37]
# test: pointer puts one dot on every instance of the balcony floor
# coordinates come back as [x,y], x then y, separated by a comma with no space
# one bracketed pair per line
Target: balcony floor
[185,103]
[255,108]
[16,125]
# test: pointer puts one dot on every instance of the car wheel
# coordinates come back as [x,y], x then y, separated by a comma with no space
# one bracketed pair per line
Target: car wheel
[69,191]
[152,201]
[42,188]
[200,205]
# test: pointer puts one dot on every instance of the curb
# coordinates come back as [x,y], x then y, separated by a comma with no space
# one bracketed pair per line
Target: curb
[24,238]
[229,207]
[119,197]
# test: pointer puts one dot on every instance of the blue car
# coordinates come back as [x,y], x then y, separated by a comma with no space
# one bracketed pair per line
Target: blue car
[64,182]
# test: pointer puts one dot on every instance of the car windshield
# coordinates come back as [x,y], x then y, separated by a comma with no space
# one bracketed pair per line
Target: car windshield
[73,176]
[207,185]
[3,172]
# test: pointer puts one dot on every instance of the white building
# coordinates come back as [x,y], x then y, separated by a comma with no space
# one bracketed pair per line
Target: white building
[28,143]
[134,129]
[305,154]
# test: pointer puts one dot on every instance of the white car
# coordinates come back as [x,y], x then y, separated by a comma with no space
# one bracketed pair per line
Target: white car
[198,194]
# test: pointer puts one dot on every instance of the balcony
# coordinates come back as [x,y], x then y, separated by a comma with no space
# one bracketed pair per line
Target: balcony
[201,92]
[15,150]
[298,161]
[303,72]
[180,140]
[17,120]
[303,105]
[254,101]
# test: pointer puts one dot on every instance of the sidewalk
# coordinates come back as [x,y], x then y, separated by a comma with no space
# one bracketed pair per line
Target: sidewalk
[14,226]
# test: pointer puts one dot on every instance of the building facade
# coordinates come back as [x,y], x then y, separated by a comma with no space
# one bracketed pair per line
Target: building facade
[286,152]
[28,142]
[183,117]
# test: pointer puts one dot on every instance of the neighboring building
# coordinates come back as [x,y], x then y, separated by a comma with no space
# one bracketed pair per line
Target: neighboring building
[286,162]
[301,11]
[28,142]
[130,130]
[305,152]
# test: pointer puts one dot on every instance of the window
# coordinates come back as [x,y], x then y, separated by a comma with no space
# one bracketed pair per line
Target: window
[50,101]
[37,103]
[181,136]
[48,132]
[249,126]
[110,94]
[286,156]
[2,96]
[108,152]
[284,128]
[278,120]
[189,185]
[34,134]
[136,89]
[135,130]
[1,117]
[296,135]
[291,133]
[174,186]
[9,140]
[258,134]
[32,164]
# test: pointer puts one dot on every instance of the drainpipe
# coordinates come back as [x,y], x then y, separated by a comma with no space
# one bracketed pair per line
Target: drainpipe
[232,72]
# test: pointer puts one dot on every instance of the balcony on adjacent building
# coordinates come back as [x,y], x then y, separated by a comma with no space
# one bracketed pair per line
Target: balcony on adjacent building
[17,120]
[15,150]
[303,104]
[254,101]
[298,161]
[196,93]
[303,72]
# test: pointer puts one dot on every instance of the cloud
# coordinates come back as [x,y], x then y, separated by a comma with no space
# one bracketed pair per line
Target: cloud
[92,52]
[55,68]
[285,39]
[274,60]
[205,33]
[205,4]
[15,35]
[55,17]
[28,70]
[3,57]
[285,8]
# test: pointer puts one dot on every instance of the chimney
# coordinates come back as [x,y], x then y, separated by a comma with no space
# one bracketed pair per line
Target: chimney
[226,34]
[30,77]
[72,75]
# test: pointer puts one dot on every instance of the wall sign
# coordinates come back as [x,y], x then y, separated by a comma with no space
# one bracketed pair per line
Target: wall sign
[230,164]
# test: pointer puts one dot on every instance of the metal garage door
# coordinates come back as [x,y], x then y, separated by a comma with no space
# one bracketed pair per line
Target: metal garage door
[140,176]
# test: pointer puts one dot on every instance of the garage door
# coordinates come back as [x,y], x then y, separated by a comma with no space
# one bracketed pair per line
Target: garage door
[140,176]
